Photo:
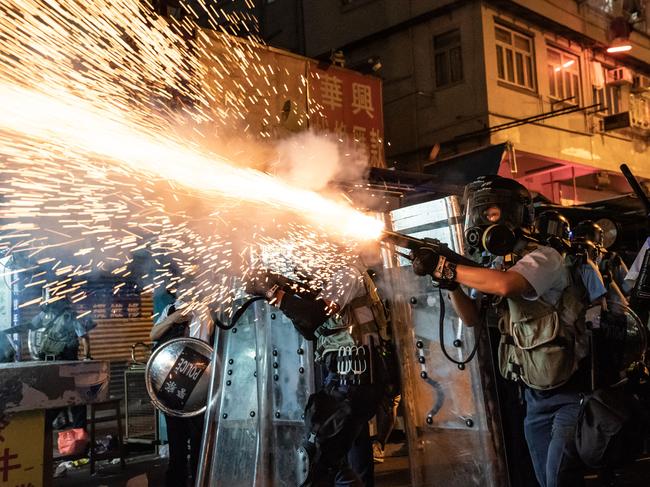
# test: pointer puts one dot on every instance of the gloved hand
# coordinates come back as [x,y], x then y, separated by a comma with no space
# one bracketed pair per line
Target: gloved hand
[428,262]
[261,282]
[425,261]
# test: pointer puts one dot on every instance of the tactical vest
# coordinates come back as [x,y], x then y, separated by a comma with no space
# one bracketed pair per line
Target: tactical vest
[542,344]
[363,315]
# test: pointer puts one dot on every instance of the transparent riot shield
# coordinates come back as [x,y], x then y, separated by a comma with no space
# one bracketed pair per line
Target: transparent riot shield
[451,420]
[254,422]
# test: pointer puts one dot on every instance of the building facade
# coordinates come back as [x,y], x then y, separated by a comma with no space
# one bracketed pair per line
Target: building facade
[463,74]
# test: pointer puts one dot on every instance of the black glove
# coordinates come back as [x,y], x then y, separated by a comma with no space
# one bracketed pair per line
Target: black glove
[425,261]
[428,262]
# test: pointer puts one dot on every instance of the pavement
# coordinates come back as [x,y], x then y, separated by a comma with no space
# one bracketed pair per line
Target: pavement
[148,471]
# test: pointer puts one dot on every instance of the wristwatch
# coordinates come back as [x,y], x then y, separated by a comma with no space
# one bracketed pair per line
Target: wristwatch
[445,270]
[449,272]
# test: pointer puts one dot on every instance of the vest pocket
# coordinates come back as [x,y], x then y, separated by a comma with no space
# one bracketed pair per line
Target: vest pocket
[537,353]
[532,334]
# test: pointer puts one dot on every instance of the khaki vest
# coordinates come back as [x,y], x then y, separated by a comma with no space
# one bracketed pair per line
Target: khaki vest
[363,315]
[542,344]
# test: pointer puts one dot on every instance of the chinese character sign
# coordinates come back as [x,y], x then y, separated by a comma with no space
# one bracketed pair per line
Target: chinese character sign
[349,105]
[21,461]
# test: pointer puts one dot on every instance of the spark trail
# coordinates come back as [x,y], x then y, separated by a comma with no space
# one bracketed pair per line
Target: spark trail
[108,114]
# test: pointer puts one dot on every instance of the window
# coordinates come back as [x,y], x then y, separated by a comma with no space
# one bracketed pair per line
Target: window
[563,76]
[609,98]
[515,58]
[448,59]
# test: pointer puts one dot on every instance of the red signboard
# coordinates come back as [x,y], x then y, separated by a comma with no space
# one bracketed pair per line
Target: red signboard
[348,104]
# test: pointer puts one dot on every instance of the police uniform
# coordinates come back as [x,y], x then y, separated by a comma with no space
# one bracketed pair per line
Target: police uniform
[337,415]
[183,434]
[543,335]
[62,330]
[361,315]
[551,415]
[633,274]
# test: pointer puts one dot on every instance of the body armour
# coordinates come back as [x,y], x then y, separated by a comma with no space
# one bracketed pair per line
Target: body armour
[363,315]
[541,344]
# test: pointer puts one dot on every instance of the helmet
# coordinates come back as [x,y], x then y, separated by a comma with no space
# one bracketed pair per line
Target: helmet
[552,228]
[495,207]
[588,237]
[588,230]
[551,223]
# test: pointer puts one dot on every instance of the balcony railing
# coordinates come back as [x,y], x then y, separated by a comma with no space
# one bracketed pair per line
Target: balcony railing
[614,8]
[640,112]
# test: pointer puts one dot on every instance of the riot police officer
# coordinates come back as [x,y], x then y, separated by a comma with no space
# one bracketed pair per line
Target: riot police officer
[337,441]
[588,238]
[184,434]
[551,228]
[540,311]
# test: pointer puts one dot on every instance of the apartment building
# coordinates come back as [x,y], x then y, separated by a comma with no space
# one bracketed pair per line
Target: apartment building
[465,74]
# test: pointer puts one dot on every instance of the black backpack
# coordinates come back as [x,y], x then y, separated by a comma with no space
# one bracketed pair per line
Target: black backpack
[611,427]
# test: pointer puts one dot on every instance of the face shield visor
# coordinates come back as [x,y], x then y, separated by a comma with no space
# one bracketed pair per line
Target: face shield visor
[491,218]
[556,228]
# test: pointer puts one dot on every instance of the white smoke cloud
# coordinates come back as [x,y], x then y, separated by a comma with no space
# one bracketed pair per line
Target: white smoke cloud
[313,161]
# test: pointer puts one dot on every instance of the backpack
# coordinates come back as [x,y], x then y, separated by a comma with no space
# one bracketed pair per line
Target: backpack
[611,428]
[542,344]
[59,333]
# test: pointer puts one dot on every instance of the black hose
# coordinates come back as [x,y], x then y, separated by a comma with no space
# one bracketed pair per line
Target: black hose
[238,314]
[442,336]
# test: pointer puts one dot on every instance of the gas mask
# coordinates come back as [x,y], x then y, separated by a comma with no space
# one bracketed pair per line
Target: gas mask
[496,211]
[588,238]
[587,248]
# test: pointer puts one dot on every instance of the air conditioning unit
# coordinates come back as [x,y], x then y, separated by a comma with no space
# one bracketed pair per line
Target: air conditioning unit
[619,76]
[616,122]
[641,83]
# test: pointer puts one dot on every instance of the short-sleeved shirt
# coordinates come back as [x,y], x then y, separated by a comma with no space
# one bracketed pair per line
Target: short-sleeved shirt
[545,270]
[546,273]
[592,280]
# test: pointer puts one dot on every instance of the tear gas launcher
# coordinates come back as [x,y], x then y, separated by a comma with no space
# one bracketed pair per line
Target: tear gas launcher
[437,246]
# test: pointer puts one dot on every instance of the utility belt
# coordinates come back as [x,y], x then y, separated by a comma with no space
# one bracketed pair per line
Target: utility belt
[351,365]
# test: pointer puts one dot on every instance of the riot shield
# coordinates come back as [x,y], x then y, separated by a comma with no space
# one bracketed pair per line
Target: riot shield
[451,417]
[619,339]
[254,423]
[177,376]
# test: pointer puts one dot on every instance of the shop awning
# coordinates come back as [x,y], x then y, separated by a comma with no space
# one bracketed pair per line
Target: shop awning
[442,178]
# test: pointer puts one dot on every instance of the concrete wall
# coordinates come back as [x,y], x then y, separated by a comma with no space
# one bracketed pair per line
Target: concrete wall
[331,24]
[282,24]
[417,114]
